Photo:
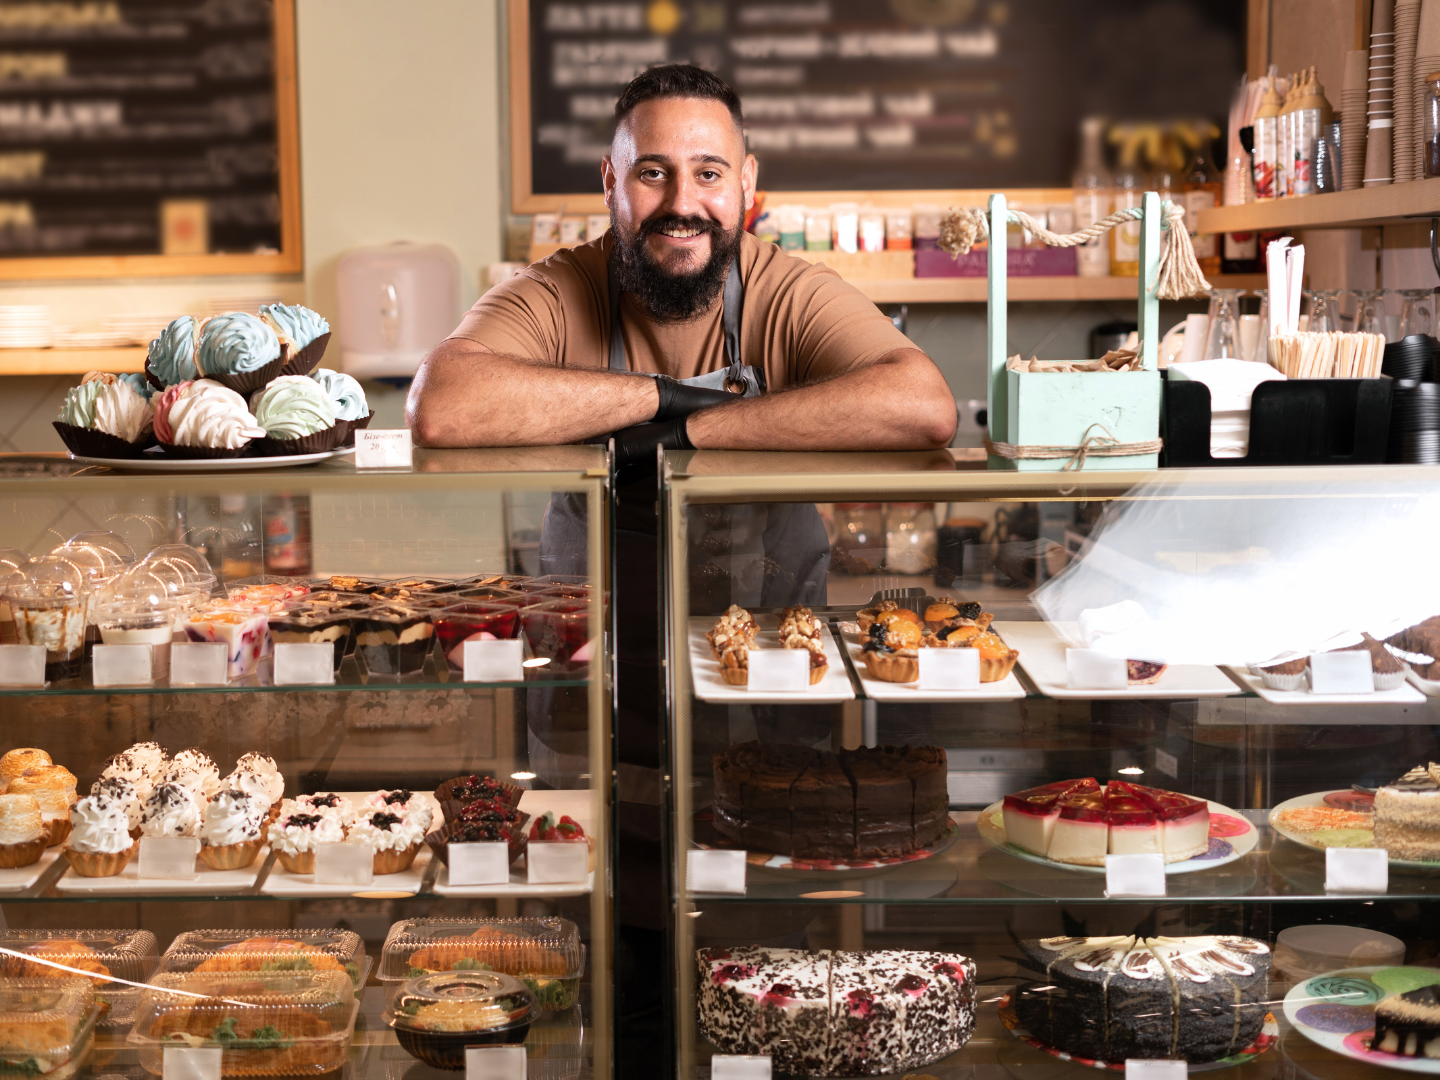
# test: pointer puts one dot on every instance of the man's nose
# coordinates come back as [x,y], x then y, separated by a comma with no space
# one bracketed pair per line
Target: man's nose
[682,196]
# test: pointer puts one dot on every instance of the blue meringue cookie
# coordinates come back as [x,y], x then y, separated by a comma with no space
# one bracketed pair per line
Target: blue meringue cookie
[172,354]
[344,393]
[141,385]
[296,322]
[235,343]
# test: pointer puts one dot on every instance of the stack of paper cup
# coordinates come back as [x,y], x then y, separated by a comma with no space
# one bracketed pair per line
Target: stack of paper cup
[1427,59]
[1353,94]
[1380,114]
[1407,26]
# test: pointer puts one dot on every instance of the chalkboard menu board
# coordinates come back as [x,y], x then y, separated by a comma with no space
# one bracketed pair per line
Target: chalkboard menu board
[881,94]
[147,128]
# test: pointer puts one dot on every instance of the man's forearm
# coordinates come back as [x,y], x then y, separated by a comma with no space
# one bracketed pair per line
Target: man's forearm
[465,396]
[900,402]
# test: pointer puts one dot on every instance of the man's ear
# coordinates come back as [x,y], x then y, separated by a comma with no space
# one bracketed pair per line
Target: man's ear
[749,175]
[607,178]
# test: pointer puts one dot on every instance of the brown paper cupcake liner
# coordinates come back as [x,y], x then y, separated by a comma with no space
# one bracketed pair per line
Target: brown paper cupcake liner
[246,383]
[395,862]
[173,450]
[231,856]
[151,377]
[509,795]
[352,426]
[317,443]
[301,862]
[305,360]
[87,442]
[57,831]
[98,863]
[14,856]
[439,842]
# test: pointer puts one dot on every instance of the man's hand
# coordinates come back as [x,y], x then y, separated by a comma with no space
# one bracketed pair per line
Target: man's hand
[636,445]
[677,399]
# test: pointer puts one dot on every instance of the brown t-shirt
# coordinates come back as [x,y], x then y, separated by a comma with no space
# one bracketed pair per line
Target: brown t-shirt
[799,321]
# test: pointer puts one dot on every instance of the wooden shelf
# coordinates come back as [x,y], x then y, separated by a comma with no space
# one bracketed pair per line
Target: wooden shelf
[1391,204]
[972,290]
[71,361]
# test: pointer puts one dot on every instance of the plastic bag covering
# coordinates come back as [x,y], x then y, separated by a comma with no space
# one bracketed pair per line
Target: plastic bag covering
[1242,570]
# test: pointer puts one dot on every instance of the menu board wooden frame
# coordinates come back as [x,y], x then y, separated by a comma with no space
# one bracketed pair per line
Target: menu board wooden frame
[288,260]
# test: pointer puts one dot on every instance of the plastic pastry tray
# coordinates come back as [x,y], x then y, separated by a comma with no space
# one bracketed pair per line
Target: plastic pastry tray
[203,951]
[56,1005]
[128,955]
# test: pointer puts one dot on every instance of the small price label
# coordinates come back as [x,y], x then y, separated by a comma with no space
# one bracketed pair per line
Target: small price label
[479,864]
[304,663]
[740,1067]
[1341,673]
[1167,763]
[716,872]
[779,670]
[1362,870]
[494,661]
[949,669]
[1135,875]
[121,665]
[385,448]
[557,863]
[1145,1069]
[169,857]
[191,1063]
[344,864]
[1090,669]
[495,1062]
[22,665]
[197,663]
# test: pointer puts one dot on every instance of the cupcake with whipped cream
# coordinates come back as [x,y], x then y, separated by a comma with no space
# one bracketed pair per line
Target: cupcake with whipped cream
[232,831]
[394,839]
[329,804]
[99,844]
[170,810]
[203,419]
[401,801]
[297,415]
[295,834]
[303,335]
[266,787]
[171,356]
[106,416]
[127,796]
[194,769]
[348,397]
[239,351]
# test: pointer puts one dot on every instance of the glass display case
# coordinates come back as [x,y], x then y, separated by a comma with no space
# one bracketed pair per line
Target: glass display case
[984,773]
[307,765]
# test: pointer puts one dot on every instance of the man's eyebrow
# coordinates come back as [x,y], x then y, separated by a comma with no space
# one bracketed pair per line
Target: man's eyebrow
[667,160]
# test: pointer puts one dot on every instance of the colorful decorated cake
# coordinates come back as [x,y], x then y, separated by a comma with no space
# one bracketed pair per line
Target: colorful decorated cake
[1080,822]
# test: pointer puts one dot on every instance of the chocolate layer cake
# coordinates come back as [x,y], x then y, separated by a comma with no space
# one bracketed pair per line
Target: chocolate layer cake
[870,802]
[1409,1024]
[836,1013]
[1107,999]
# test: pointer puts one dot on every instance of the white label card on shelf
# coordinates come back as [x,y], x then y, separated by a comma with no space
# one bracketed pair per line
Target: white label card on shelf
[1361,870]
[495,1062]
[191,1063]
[779,670]
[1145,1069]
[1135,875]
[384,448]
[197,663]
[1341,673]
[716,872]
[557,863]
[494,661]
[169,857]
[304,663]
[740,1067]
[22,665]
[479,864]
[949,669]
[1090,669]
[121,665]
[344,864]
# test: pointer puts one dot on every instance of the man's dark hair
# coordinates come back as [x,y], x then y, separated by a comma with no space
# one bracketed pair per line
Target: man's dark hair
[677,81]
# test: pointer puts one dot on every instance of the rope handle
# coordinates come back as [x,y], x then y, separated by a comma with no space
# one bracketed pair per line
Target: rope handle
[1178,277]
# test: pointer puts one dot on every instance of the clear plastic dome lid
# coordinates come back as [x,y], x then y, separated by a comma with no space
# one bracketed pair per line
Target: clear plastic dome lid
[11,559]
[105,540]
[48,582]
[192,568]
[136,593]
[95,565]
[462,1001]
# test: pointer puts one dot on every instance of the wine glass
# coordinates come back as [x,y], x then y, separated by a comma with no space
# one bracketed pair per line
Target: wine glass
[1370,311]
[1262,346]
[1223,341]
[1415,316]
[1324,310]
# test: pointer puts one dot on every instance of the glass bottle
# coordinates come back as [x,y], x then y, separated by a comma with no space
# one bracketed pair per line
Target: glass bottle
[1202,191]
[1125,238]
[287,535]
[1431,119]
[1092,198]
[1267,146]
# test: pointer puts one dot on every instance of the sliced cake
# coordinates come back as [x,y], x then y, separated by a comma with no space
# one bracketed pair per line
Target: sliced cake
[1079,822]
[1409,1024]
[1030,815]
[1407,815]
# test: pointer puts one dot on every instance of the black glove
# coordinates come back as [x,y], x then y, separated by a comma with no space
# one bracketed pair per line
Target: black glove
[636,445]
[677,399]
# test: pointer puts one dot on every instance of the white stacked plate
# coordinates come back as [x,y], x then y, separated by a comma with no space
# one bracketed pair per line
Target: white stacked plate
[66,338]
[138,327]
[26,326]
[221,304]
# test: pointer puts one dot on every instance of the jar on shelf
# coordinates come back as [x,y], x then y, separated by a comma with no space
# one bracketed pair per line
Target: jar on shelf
[910,538]
[860,537]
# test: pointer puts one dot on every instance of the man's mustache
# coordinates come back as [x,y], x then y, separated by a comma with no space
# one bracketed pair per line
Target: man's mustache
[671,221]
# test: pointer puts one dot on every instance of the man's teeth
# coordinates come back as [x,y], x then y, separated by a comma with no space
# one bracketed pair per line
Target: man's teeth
[682,234]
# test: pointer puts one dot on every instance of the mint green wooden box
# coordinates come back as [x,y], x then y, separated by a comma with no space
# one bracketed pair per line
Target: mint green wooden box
[1058,408]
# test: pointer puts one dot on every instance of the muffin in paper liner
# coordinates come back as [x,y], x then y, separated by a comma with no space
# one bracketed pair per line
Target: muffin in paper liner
[89,442]
[301,862]
[1277,681]
[1389,680]
[57,830]
[99,863]
[439,840]
[450,805]
[306,360]
[317,443]
[245,383]
[14,856]
[231,856]
[395,862]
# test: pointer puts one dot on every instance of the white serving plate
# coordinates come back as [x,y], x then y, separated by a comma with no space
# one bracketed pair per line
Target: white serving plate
[22,877]
[155,464]
[205,882]
[992,831]
[1318,799]
[1401,695]
[1348,987]
[709,686]
[1428,687]
[1042,655]
[1007,689]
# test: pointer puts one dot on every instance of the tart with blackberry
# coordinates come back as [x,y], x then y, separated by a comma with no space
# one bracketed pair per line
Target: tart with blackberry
[891,646]
[948,614]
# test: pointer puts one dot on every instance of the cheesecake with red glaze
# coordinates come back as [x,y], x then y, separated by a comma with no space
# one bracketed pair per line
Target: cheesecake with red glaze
[1080,822]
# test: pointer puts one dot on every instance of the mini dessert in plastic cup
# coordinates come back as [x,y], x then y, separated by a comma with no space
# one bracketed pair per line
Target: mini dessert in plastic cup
[394,639]
[435,1017]
[11,560]
[551,581]
[49,601]
[244,633]
[267,587]
[494,594]
[471,621]
[563,592]
[307,623]
[98,557]
[557,630]
[131,610]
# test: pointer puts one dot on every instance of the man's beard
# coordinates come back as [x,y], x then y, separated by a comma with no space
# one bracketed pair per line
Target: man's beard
[667,296]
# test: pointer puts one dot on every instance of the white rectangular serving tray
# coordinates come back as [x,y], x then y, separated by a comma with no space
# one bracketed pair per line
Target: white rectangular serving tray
[1428,687]
[280,882]
[518,886]
[1007,689]
[1401,695]
[205,882]
[23,877]
[1042,655]
[709,686]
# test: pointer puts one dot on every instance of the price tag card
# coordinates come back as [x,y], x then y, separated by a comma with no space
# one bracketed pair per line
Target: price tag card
[385,448]
[740,1067]
[783,670]
[1341,673]
[494,661]
[344,864]
[22,665]
[949,669]
[169,857]
[1135,875]
[479,864]
[121,665]
[191,1063]
[197,663]
[557,863]
[304,664]
[1144,1069]
[716,871]
[495,1062]
[1089,669]
[1362,870]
